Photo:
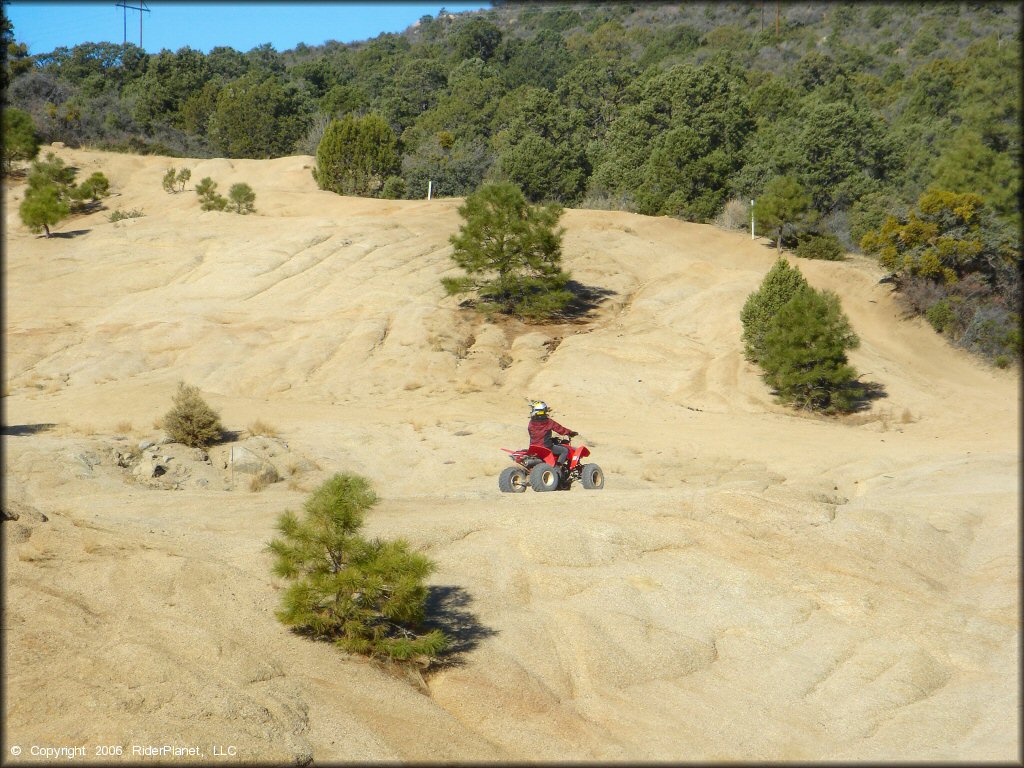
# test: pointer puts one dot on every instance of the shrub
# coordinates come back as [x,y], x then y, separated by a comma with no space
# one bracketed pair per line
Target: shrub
[368,596]
[209,198]
[43,208]
[242,198]
[783,205]
[814,246]
[804,358]
[118,215]
[940,315]
[260,428]
[512,254]
[735,215]
[168,180]
[780,285]
[394,188]
[92,189]
[19,137]
[191,421]
[174,180]
[355,155]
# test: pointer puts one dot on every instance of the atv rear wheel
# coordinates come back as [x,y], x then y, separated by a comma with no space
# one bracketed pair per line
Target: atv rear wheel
[593,477]
[543,477]
[512,480]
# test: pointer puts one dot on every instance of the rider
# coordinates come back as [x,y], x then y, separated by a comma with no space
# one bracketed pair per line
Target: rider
[540,428]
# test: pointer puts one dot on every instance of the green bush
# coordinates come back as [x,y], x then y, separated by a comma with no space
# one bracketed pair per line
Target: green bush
[174,180]
[92,189]
[118,215]
[19,136]
[168,180]
[242,198]
[355,155]
[824,247]
[191,421]
[804,358]
[209,198]
[512,253]
[368,596]
[941,315]
[42,208]
[394,188]
[780,285]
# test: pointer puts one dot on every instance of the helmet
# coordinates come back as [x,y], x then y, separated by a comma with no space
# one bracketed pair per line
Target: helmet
[539,408]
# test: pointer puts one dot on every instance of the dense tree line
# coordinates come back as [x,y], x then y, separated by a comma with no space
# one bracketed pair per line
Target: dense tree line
[665,109]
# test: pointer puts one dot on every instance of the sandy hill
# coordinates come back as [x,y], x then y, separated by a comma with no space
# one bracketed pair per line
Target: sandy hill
[752,584]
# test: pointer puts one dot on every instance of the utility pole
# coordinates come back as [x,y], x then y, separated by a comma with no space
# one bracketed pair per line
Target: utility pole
[777,20]
[141,8]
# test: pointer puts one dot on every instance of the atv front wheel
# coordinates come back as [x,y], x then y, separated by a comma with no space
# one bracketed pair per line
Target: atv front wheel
[593,477]
[512,480]
[543,477]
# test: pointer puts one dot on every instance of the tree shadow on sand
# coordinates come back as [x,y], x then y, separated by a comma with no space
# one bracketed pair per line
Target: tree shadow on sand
[865,393]
[71,234]
[20,430]
[446,610]
[586,300]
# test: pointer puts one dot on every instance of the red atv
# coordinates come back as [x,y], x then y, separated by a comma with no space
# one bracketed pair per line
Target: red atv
[535,466]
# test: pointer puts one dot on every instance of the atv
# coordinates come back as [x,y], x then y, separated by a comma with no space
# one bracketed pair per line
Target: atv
[536,467]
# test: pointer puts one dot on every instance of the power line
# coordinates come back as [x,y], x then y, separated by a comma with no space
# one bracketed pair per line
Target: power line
[141,8]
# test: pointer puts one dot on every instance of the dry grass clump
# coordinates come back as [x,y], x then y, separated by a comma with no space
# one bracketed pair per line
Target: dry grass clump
[907,417]
[260,428]
[258,482]
[123,427]
[735,215]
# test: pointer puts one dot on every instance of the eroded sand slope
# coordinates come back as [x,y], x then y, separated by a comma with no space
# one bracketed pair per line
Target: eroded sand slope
[752,584]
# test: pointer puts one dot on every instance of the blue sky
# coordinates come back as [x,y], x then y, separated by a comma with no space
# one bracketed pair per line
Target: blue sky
[43,26]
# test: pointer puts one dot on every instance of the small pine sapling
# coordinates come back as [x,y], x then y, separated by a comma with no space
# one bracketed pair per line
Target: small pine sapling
[242,198]
[368,596]
[168,180]
[209,198]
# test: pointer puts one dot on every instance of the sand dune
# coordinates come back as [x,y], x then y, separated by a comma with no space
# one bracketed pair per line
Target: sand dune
[752,584]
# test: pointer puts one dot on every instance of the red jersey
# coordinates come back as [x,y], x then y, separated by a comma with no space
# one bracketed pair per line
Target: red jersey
[540,430]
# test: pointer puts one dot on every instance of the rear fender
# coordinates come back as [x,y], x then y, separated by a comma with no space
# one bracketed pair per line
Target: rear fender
[541,453]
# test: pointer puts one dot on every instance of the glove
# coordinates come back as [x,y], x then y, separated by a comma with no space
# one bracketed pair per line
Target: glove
[573,434]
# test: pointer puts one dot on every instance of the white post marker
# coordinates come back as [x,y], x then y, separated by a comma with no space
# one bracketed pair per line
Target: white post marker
[752,220]
[430,189]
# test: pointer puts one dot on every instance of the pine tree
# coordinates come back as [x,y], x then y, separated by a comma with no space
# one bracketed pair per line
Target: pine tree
[19,137]
[512,253]
[783,204]
[242,198]
[780,285]
[170,176]
[804,355]
[368,596]
[43,208]
[192,421]
[209,198]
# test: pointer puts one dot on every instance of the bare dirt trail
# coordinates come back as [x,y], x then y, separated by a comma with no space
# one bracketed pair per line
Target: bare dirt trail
[753,584]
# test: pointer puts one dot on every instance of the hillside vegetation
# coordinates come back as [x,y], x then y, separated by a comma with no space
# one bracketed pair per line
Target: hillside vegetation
[688,110]
[849,586]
